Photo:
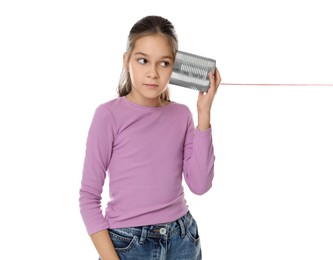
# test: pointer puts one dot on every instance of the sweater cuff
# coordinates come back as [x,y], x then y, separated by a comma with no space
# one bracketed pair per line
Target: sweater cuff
[208,131]
[96,228]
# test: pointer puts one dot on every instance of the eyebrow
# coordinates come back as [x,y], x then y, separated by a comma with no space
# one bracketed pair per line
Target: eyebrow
[146,55]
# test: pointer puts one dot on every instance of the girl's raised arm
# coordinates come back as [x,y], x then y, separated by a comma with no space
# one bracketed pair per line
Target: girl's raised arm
[205,101]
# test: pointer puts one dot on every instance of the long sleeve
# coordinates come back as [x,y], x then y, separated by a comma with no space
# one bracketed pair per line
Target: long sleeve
[146,153]
[97,159]
[199,159]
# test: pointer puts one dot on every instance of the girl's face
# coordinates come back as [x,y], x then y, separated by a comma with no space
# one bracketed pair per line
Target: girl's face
[150,67]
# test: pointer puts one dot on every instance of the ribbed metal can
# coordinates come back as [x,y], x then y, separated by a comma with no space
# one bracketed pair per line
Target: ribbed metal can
[192,71]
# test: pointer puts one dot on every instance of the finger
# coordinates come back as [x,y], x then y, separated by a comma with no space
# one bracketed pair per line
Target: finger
[215,80]
[212,86]
[217,77]
[212,80]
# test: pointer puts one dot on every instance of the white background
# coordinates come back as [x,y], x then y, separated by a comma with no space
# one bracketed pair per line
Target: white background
[272,196]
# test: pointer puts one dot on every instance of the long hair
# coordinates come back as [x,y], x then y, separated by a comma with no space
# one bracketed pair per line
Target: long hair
[148,25]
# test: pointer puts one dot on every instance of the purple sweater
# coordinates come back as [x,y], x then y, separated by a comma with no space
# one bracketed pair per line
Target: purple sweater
[145,151]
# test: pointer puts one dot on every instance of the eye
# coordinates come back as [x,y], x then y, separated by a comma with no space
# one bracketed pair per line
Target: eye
[142,61]
[165,63]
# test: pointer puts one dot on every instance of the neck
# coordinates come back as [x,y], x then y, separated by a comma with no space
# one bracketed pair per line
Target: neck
[148,102]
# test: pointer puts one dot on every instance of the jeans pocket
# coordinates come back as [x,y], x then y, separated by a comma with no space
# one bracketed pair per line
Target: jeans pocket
[122,242]
[193,232]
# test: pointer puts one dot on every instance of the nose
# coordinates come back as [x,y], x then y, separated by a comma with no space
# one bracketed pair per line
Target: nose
[153,73]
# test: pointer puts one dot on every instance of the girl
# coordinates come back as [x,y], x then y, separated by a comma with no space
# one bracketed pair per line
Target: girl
[146,143]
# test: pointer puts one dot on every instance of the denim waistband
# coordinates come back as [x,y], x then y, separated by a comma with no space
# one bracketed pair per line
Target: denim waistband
[177,227]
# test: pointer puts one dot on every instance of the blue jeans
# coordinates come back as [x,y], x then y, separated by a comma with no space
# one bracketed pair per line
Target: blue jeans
[178,240]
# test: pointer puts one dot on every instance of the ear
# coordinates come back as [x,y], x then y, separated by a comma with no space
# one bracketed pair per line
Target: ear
[125,61]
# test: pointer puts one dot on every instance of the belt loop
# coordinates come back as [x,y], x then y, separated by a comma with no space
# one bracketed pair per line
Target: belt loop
[144,232]
[182,227]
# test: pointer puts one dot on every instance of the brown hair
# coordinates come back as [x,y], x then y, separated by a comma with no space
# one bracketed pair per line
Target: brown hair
[148,25]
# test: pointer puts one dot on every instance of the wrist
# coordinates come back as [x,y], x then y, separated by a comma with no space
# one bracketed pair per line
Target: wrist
[203,121]
[203,125]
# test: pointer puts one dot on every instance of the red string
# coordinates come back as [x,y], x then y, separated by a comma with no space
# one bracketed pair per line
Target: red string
[265,84]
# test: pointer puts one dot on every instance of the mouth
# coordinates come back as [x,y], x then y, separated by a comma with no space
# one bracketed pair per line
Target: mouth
[151,85]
